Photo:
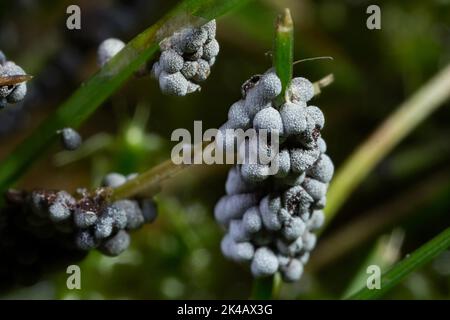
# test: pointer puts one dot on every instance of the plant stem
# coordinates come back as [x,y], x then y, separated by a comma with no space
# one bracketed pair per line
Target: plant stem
[263,288]
[283,60]
[405,119]
[277,284]
[283,55]
[149,182]
[411,262]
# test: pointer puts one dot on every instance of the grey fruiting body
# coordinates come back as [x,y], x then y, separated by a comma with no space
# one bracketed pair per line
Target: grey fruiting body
[212,61]
[300,90]
[251,221]
[149,210]
[317,220]
[238,116]
[189,69]
[264,263]
[254,172]
[104,227]
[236,184]
[170,61]
[322,145]
[173,83]
[237,251]
[18,93]
[293,228]
[192,87]
[108,49]
[84,218]
[210,28]
[268,119]
[118,215]
[292,271]
[323,169]
[116,244]
[262,93]
[293,117]
[194,56]
[211,49]
[11,93]
[233,206]
[237,231]
[302,159]
[270,218]
[186,59]
[70,139]
[85,240]
[316,189]
[284,163]
[194,40]
[134,218]
[269,212]
[60,210]
[203,71]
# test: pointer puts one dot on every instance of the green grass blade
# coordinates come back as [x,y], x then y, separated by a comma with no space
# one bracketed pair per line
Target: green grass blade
[283,53]
[262,289]
[396,127]
[103,84]
[266,288]
[384,254]
[414,203]
[397,273]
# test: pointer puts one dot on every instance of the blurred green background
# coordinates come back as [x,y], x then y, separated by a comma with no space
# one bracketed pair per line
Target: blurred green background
[179,255]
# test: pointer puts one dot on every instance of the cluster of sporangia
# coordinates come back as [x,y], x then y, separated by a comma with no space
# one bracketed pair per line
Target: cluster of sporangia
[42,229]
[186,58]
[11,93]
[270,218]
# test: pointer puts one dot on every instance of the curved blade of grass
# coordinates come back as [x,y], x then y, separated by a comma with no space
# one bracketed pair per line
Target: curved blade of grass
[384,254]
[414,202]
[397,273]
[407,117]
[104,83]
